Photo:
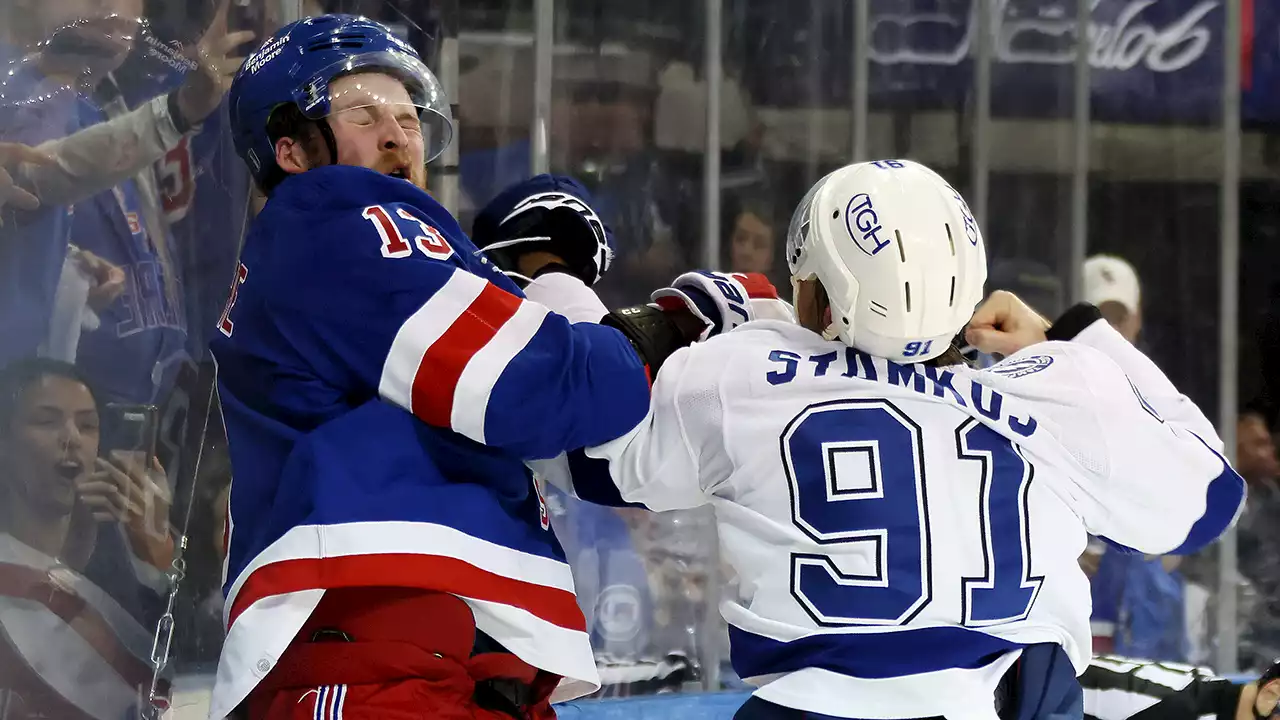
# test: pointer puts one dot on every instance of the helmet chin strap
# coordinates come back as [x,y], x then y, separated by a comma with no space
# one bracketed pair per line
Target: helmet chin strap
[831,332]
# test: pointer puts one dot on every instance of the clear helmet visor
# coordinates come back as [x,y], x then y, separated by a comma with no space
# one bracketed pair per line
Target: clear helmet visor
[384,87]
[798,230]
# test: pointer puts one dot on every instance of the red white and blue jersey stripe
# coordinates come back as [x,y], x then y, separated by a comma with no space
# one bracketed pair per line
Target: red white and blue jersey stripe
[329,701]
[382,386]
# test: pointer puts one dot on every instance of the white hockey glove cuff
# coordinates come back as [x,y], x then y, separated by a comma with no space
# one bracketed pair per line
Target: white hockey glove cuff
[717,299]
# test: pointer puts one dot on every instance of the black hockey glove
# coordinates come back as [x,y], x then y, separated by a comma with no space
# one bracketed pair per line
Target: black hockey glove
[548,213]
[655,333]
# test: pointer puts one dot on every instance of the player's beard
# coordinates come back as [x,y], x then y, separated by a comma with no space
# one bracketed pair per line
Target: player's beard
[414,172]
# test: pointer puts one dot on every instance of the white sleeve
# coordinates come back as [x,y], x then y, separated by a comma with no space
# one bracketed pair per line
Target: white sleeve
[554,472]
[661,463]
[568,296]
[101,156]
[1150,483]
[1154,386]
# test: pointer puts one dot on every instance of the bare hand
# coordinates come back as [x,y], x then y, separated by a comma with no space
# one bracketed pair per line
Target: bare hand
[107,279]
[106,492]
[11,155]
[1003,325]
[202,92]
[123,491]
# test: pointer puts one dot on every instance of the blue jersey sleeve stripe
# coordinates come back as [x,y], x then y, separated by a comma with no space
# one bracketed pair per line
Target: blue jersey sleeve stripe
[1222,506]
[1224,499]
[866,655]
[592,481]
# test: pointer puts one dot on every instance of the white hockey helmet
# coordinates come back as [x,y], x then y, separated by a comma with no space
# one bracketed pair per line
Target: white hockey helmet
[898,252]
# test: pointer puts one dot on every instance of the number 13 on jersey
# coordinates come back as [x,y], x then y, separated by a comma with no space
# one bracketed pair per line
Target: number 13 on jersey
[888,510]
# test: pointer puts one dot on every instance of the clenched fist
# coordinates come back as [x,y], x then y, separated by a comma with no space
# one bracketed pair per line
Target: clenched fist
[1003,325]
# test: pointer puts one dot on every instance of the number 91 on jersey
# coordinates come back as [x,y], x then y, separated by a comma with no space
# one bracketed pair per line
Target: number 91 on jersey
[888,510]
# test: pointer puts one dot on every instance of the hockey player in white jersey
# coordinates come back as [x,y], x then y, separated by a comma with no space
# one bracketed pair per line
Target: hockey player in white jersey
[905,530]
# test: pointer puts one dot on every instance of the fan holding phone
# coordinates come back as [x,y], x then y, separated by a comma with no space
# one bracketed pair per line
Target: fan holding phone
[128,484]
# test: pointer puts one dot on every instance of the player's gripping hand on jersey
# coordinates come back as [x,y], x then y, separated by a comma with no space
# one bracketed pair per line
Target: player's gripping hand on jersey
[544,234]
[1003,325]
[718,300]
[545,226]
[723,301]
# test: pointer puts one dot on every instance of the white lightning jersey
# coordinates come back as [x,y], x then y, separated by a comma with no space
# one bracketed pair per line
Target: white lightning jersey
[900,532]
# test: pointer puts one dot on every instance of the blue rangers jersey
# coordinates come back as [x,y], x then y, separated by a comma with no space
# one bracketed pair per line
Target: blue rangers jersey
[132,355]
[33,245]
[381,384]
[900,532]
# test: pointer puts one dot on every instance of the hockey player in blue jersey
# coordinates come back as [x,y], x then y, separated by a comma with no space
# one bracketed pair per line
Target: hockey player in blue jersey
[382,384]
[905,529]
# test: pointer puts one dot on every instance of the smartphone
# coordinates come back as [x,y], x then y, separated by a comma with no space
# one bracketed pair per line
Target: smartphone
[244,15]
[248,15]
[130,428]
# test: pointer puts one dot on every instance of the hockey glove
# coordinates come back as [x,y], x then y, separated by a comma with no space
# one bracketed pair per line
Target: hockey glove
[721,301]
[547,213]
[654,333]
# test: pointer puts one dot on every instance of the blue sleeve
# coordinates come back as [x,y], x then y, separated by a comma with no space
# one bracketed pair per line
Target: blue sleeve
[592,481]
[417,327]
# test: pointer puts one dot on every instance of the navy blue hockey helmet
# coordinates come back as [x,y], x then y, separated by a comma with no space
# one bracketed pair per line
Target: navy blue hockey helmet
[297,66]
[545,212]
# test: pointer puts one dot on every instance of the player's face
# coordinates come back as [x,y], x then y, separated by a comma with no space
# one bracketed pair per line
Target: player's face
[375,125]
[52,444]
[1255,450]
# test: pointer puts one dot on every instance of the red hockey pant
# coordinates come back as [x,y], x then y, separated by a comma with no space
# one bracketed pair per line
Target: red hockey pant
[409,656]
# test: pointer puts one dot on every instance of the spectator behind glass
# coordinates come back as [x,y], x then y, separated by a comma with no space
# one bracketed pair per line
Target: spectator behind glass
[751,243]
[49,431]
[47,49]
[58,54]
[1259,539]
[1112,285]
[69,648]
[135,354]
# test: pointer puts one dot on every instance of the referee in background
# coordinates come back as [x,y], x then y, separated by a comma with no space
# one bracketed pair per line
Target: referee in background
[1118,688]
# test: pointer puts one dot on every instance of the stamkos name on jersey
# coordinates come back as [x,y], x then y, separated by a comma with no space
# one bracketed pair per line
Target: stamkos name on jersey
[926,380]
